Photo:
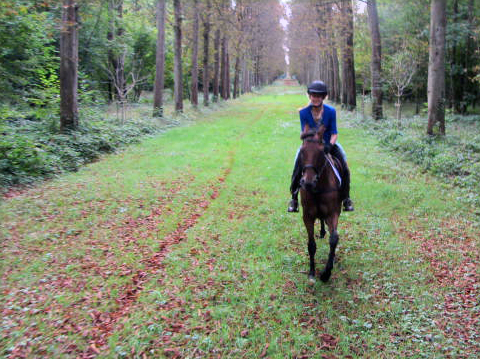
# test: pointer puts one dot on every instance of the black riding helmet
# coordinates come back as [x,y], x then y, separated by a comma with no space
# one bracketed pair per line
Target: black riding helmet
[317,87]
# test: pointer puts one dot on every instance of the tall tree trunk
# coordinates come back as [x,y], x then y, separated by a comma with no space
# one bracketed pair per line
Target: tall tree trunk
[206,73]
[223,66]
[257,70]
[177,68]
[112,61]
[349,93]
[436,67]
[236,79]
[69,67]
[121,82]
[336,76]
[216,65]
[227,73]
[470,88]
[194,87]
[376,65]
[457,66]
[244,73]
[160,61]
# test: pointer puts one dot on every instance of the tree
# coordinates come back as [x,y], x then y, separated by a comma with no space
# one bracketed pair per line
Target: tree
[194,87]
[224,69]
[348,69]
[400,71]
[206,40]
[376,63]
[160,61]
[216,65]
[436,67]
[69,67]
[117,50]
[178,83]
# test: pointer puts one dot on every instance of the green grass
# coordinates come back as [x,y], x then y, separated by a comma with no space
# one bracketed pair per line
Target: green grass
[231,280]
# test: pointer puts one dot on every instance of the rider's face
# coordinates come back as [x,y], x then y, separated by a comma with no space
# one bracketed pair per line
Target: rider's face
[316,99]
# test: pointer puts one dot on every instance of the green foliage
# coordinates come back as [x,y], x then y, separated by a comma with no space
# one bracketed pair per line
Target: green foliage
[28,55]
[33,149]
[455,158]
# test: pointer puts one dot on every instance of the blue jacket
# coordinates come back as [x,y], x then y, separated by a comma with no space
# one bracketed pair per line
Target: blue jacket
[329,119]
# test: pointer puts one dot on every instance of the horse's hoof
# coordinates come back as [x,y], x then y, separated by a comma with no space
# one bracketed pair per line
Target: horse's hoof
[311,280]
[325,276]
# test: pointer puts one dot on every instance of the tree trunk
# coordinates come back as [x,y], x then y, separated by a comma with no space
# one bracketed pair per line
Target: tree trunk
[398,105]
[349,93]
[227,72]
[216,66]
[69,67]
[223,66]
[236,79]
[470,87]
[121,82]
[436,67]
[206,38]
[376,65]
[336,76]
[177,68]
[194,87]
[160,61]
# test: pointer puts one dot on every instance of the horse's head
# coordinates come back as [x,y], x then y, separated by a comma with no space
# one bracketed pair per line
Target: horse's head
[312,158]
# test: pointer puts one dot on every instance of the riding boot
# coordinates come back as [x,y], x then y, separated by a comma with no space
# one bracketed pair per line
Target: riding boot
[345,188]
[293,205]
[294,187]
[347,202]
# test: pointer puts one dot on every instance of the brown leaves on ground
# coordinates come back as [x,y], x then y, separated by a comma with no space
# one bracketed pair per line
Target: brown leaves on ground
[458,276]
[124,235]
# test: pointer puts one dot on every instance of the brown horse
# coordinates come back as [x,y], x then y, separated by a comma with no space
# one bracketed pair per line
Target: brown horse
[321,196]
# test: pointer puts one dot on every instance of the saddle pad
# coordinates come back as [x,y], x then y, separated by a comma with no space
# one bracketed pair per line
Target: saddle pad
[335,170]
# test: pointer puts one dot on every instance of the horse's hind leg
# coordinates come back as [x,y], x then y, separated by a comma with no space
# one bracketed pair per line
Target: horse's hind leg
[322,229]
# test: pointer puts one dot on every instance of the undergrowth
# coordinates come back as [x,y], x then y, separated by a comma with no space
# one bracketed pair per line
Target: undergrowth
[33,149]
[455,157]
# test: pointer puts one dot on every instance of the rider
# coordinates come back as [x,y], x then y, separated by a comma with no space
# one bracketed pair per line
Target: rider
[315,114]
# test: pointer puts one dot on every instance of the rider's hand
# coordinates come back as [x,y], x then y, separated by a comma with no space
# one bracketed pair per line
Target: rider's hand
[327,148]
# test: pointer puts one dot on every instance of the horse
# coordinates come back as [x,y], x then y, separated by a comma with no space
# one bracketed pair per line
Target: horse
[321,196]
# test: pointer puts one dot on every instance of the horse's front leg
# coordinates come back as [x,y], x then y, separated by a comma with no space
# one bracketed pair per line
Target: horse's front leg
[332,228]
[312,246]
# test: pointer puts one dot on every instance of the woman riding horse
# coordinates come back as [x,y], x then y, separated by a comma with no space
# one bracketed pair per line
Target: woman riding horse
[315,114]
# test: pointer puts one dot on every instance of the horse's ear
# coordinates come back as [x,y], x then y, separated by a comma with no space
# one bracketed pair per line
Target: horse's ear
[306,130]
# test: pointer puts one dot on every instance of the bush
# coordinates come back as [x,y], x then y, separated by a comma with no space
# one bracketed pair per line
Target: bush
[455,158]
[31,149]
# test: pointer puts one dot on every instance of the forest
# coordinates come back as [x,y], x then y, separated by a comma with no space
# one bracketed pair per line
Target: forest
[146,152]
[117,52]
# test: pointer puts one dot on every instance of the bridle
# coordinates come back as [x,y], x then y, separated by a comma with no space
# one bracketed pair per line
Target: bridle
[313,167]
[318,173]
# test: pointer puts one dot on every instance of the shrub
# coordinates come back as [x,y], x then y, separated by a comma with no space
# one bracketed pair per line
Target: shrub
[32,149]
[455,158]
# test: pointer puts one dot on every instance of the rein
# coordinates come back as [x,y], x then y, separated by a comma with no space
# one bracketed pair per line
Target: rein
[319,174]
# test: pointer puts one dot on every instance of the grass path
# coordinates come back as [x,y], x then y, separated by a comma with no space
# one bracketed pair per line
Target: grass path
[181,247]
